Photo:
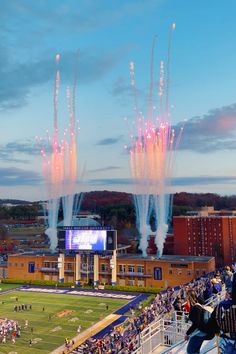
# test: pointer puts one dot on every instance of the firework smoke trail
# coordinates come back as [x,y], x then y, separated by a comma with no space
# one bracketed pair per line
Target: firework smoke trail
[78,196]
[69,179]
[150,97]
[165,162]
[141,198]
[60,166]
[160,181]
[138,171]
[53,170]
[164,157]
[152,156]
[70,203]
[166,116]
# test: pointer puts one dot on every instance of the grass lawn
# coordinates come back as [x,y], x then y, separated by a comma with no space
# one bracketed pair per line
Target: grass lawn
[26,230]
[50,333]
[6,287]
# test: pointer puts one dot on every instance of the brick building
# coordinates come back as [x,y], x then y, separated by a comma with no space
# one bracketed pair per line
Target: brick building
[206,234]
[130,269]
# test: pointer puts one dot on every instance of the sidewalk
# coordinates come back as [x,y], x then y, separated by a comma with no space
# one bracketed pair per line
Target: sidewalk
[89,332]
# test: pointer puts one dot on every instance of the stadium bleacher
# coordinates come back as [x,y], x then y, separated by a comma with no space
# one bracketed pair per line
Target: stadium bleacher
[157,329]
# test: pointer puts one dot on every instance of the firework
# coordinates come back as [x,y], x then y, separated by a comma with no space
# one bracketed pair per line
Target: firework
[152,157]
[60,166]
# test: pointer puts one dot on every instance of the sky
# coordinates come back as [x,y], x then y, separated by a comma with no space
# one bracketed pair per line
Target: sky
[97,40]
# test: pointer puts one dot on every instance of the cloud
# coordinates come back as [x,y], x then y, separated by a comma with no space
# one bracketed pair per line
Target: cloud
[214,131]
[30,32]
[203,180]
[121,87]
[18,177]
[92,67]
[104,169]
[177,181]
[13,176]
[66,16]
[110,141]
[18,79]
[110,181]
[123,92]
[27,147]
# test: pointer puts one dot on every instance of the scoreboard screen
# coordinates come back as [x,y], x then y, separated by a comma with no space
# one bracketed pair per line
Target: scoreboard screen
[85,239]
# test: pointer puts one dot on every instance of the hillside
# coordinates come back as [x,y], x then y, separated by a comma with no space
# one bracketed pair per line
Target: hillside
[99,199]
[95,200]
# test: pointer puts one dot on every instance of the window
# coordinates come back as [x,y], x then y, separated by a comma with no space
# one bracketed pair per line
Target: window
[170,272]
[122,268]
[157,273]
[31,266]
[47,264]
[103,267]
[54,264]
[140,269]
[131,268]
[15,264]
[69,266]
[22,264]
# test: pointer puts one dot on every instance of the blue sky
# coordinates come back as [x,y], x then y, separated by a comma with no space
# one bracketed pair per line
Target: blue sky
[103,37]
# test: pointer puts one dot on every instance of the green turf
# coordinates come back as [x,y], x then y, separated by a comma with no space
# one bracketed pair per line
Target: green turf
[86,312]
[7,286]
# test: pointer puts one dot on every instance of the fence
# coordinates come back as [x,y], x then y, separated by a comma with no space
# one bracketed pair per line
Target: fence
[161,333]
[169,333]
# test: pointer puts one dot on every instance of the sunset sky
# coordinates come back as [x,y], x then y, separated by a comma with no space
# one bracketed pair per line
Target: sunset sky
[100,39]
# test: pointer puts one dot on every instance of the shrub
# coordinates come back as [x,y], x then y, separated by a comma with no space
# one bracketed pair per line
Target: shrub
[41,282]
[36,282]
[134,289]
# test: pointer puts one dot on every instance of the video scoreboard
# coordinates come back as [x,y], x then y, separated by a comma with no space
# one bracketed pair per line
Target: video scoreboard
[91,239]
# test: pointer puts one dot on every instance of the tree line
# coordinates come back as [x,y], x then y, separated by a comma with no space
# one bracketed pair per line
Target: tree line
[118,207]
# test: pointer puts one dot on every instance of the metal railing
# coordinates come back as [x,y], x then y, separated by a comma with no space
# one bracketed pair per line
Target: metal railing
[161,333]
[170,333]
[181,344]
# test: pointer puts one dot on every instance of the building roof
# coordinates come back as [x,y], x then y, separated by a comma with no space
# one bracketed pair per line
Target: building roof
[169,258]
[80,222]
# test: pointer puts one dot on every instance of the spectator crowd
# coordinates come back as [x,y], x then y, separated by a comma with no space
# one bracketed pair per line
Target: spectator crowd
[125,338]
[187,301]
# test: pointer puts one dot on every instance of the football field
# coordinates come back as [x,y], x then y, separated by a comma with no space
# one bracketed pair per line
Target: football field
[51,319]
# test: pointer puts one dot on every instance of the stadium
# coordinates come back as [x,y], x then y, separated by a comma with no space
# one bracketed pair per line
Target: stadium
[88,317]
[134,277]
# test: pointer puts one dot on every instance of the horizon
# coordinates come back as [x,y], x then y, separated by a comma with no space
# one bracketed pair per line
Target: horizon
[128,193]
